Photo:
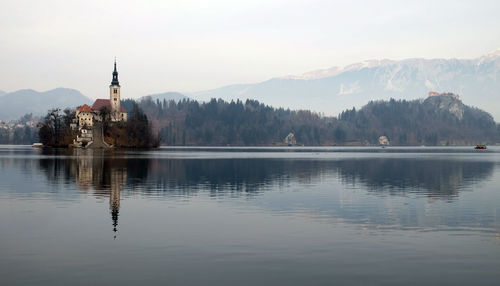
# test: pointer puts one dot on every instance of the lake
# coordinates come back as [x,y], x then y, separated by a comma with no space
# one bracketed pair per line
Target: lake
[250,216]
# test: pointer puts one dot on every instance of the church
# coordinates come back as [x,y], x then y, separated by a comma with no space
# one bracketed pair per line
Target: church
[89,119]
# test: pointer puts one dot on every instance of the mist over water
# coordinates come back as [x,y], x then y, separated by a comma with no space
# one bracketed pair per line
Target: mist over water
[246,216]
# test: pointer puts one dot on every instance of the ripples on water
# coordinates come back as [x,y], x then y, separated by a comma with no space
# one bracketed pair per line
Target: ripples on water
[238,215]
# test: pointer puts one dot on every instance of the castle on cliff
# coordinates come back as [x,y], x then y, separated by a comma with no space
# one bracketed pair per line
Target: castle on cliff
[89,119]
[450,94]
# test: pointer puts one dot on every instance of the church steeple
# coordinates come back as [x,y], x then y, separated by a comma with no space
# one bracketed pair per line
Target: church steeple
[114,98]
[115,77]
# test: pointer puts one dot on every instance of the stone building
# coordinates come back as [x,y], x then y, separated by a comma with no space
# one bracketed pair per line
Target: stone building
[383,141]
[290,140]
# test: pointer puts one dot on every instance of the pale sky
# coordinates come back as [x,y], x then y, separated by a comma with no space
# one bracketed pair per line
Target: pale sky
[195,45]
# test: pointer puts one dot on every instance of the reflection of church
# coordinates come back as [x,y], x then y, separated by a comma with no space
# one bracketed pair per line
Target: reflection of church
[105,176]
[118,178]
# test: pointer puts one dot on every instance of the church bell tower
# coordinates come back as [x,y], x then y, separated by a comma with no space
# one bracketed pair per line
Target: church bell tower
[114,96]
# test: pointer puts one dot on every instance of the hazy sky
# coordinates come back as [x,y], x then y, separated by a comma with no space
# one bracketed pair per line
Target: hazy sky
[194,45]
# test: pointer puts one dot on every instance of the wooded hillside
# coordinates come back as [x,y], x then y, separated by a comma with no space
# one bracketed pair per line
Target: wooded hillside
[438,120]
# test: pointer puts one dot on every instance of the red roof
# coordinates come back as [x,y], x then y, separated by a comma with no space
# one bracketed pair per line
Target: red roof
[85,108]
[101,103]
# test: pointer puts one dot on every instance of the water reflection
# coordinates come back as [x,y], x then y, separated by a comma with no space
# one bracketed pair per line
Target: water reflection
[193,219]
[106,171]
[436,178]
[113,174]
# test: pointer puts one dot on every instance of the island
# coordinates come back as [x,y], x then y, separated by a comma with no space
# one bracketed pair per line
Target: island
[105,124]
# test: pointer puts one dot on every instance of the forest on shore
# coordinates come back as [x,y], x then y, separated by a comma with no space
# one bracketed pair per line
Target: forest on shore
[438,120]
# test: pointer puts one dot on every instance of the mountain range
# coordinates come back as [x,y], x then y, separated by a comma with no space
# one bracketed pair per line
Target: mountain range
[330,91]
[15,104]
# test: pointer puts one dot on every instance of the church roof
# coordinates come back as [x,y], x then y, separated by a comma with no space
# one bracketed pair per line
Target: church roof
[101,103]
[85,108]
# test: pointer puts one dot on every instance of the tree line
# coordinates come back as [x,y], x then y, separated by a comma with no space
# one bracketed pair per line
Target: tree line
[136,132]
[19,131]
[251,123]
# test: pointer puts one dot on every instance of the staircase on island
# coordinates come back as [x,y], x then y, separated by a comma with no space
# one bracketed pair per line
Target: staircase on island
[98,137]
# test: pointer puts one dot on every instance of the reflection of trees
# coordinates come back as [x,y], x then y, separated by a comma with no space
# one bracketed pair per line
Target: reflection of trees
[103,172]
[435,178]
[94,169]
[223,176]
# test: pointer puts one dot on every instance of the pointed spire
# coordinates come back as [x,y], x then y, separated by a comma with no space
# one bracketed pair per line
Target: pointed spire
[115,76]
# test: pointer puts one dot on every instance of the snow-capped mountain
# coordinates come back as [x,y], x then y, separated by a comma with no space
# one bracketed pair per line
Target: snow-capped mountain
[333,90]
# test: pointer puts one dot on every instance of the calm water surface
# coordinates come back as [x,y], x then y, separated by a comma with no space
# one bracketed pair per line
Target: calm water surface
[250,216]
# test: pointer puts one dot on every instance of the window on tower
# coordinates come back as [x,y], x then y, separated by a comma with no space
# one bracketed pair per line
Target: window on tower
[115,99]
[115,90]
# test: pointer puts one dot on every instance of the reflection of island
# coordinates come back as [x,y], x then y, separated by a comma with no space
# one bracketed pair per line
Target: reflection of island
[105,174]
[93,170]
